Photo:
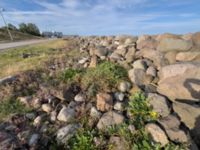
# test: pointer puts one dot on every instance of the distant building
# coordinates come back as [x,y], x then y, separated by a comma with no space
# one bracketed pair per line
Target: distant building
[52,34]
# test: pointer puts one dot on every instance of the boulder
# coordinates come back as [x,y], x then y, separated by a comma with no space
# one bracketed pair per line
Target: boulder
[188,113]
[131,40]
[119,106]
[101,51]
[146,41]
[139,64]
[124,86]
[171,125]
[66,114]
[83,60]
[171,57]
[119,96]
[80,97]
[33,139]
[47,108]
[157,134]
[190,116]
[121,50]
[94,113]
[110,118]
[156,56]
[104,102]
[180,81]
[151,71]
[196,39]
[115,57]
[188,56]
[167,35]
[159,104]
[130,54]
[139,77]
[65,133]
[172,44]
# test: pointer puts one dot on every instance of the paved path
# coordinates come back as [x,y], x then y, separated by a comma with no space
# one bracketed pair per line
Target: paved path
[22,43]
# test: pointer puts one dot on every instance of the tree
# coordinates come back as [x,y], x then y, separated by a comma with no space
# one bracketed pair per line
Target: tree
[33,29]
[29,28]
[12,27]
[23,27]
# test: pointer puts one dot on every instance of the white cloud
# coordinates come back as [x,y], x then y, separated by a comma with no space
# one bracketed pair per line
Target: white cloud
[101,17]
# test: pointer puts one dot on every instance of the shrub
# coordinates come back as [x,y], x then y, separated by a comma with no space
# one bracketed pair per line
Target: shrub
[104,77]
[83,140]
[140,110]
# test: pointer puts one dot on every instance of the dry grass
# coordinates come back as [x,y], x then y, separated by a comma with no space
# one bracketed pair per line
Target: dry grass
[12,62]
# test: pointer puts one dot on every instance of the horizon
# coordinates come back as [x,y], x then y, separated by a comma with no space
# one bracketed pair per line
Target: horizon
[107,17]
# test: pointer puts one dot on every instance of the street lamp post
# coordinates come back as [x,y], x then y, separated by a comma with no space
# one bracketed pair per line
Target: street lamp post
[1,12]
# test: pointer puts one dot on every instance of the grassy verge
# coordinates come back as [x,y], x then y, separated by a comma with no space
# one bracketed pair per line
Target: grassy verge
[11,106]
[17,36]
[12,62]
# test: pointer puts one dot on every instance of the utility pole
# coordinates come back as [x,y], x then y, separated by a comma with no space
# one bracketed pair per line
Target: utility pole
[1,12]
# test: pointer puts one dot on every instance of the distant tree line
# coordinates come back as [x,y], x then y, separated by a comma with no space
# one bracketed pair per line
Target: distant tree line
[29,28]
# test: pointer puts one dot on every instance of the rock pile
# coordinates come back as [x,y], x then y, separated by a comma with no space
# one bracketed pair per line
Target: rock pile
[165,67]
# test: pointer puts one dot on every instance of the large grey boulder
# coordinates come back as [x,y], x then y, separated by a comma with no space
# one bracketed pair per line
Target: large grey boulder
[146,41]
[130,55]
[190,116]
[171,125]
[139,77]
[172,44]
[157,134]
[156,56]
[101,51]
[180,81]
[65,133]
[159,104]
[66,114]
[110,118]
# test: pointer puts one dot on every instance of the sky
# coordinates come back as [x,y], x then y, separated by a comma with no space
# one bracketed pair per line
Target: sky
[106,17]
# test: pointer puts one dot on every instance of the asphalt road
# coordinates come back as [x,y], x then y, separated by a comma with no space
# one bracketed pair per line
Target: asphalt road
[4,46]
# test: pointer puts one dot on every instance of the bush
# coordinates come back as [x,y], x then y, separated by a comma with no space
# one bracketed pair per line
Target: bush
[29,28]
[140,110]
[83,140]
[104,77]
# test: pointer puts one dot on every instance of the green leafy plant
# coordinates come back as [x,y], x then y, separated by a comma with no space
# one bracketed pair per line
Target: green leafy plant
[140,110]
[83,140]
[105,76]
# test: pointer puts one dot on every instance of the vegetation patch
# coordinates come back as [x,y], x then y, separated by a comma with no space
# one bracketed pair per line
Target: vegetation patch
[13,62]
[140,110]
[83,140]
[69,74]
[12,106]
[104,77]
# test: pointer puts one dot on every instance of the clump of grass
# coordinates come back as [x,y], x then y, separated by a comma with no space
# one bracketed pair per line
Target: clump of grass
[69,74]
[104,77]
[83,140]
[140,110]
[12,106]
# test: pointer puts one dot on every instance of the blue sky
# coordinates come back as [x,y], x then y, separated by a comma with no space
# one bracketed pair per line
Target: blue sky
[106,17]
